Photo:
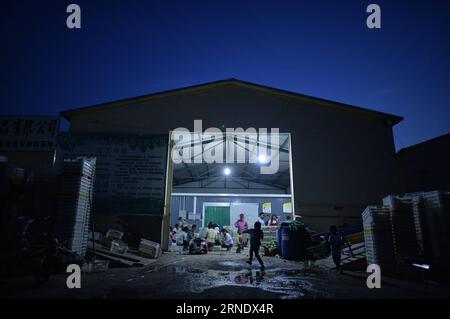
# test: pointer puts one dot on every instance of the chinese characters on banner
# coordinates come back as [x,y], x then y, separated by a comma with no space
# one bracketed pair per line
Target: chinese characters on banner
[28,133]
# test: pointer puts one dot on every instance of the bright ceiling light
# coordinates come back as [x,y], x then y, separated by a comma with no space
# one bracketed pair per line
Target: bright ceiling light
[263,159]
[423,266]
[227,171]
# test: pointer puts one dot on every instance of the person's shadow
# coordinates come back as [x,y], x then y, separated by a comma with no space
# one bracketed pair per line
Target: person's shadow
[258,277]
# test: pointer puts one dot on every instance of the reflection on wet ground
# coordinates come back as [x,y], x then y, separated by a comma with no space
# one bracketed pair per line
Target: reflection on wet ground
[301,282]
[196,277]
[200,278]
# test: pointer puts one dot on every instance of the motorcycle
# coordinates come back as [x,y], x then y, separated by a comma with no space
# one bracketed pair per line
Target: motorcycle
[36,252]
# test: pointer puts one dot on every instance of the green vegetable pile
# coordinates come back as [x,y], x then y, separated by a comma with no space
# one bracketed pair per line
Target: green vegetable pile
[271,249]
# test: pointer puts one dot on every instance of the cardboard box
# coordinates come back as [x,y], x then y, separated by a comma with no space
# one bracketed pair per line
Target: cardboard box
[149,248]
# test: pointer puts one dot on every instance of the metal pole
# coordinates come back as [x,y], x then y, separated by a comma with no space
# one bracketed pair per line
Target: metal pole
[168,197]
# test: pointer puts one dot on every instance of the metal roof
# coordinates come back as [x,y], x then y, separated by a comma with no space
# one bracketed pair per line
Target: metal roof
[245,175]
[232,81]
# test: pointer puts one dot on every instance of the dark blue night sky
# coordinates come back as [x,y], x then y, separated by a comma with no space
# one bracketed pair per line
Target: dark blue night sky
[319,48]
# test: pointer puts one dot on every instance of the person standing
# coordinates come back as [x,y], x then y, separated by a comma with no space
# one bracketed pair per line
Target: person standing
[182,238]
[242,225]
[336,241]
[256,235]
[261,218]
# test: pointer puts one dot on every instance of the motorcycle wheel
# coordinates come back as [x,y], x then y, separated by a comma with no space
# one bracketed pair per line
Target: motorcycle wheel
[43,274]
[41,278]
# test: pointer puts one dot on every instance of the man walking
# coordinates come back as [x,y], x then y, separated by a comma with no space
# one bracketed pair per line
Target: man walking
[335,240]
[256,235]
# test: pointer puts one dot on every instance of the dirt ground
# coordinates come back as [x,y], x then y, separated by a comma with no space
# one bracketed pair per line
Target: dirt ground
[223,275]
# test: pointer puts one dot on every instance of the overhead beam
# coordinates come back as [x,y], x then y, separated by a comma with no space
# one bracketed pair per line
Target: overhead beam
[230,195]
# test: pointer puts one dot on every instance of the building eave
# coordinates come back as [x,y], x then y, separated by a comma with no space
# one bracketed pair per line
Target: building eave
[394,119]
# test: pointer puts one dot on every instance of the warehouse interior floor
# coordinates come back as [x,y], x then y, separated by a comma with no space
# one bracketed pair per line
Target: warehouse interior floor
[224,274]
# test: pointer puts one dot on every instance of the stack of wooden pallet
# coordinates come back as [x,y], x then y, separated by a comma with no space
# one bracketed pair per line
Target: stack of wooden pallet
[406,247]
[74,206]
[409,228]
[432,210]
[378,238]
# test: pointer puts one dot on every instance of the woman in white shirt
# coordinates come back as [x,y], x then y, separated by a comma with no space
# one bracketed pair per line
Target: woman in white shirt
[227,241]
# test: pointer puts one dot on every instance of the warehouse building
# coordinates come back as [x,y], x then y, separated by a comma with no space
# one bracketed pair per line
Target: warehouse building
[334,159]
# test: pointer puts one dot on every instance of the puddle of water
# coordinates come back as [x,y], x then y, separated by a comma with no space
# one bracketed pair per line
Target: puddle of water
[288,283]
[153,268]
[300,272]
[230,264]
[195,270]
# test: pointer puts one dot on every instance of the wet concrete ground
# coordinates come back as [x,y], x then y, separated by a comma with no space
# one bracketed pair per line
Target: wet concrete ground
[222,275]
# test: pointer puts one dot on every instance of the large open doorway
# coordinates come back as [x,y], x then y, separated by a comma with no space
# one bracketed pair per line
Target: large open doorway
[199,192]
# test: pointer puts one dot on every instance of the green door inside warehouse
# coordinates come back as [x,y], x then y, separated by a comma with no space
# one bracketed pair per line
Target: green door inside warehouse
[217,214]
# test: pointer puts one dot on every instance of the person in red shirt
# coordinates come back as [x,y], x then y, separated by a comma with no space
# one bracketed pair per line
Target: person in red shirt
[241,225]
